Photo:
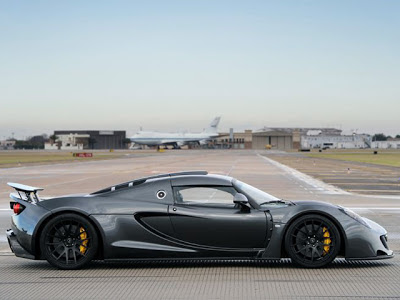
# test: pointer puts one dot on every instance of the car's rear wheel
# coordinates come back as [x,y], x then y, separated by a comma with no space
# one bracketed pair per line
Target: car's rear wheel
[69,241]
[312,241]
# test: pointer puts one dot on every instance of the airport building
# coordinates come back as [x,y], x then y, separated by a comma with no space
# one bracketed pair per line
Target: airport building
[389,144]
[291,139]
[233,140]
[7,144]
[288,138]
[276,138]
[307,138]
[324,141]
[270,138]
[87,139]
[72,141]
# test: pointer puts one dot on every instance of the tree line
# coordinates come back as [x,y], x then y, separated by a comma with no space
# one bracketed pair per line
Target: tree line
[382,137]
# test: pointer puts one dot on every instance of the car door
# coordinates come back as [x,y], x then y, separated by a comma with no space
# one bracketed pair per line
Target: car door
[206,216]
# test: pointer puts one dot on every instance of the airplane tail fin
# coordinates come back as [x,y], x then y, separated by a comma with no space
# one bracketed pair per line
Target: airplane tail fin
[213,126]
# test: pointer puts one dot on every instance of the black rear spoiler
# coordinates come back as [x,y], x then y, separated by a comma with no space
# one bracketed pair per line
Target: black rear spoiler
[30,192]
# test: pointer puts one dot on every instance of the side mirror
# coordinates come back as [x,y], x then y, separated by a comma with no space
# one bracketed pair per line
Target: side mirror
[240,199]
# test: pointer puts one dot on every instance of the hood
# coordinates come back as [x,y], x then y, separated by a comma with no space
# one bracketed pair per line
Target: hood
[313,202]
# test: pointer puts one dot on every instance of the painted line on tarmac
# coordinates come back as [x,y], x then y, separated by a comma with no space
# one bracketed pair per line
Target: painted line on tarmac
[316,184]
[382,196]
[319,185]
[374,208]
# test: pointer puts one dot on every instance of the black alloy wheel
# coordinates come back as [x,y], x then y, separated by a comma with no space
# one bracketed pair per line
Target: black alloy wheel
[312,241]
[69,241]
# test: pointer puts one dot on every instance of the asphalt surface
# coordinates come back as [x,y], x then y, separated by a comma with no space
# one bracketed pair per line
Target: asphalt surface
[23,279]
[355,177]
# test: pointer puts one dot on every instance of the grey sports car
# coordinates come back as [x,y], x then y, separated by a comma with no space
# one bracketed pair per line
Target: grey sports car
[187,215]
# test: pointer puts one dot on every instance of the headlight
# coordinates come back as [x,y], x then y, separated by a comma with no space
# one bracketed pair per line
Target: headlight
[353,215]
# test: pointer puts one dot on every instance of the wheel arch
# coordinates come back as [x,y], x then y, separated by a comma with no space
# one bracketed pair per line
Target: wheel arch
[343,238]
[39,228]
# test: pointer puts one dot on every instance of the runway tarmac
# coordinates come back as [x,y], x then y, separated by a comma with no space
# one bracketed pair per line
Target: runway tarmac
[20,278]
[357,177]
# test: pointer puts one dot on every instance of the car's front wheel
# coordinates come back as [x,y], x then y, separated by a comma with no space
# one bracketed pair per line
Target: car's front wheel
[312,241]
[69,241]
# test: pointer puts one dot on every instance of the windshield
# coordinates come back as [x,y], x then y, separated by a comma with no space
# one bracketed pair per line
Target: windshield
[255,194]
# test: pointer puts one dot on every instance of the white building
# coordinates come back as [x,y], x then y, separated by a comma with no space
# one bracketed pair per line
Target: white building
[393,144]
[72,141]
[336,141]
[7,145]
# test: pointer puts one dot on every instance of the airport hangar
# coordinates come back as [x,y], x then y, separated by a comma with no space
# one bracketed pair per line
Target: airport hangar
[278,138]
[89,139]
[288,138]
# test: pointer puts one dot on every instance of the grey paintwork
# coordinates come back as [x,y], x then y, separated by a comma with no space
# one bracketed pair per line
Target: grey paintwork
[132,222]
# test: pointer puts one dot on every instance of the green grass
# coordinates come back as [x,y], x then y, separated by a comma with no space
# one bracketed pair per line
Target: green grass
[17,158]
[382,158]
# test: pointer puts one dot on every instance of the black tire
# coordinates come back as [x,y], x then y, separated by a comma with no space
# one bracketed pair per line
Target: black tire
[312,241]
[69,241]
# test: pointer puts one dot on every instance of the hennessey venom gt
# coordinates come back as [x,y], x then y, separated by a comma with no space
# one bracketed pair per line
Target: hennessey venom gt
[187,215]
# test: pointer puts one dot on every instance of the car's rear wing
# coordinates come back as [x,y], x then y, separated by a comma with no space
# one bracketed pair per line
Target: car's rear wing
[31,193]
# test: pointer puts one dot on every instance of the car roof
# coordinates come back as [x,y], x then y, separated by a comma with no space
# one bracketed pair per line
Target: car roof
[209,179]
[177,179]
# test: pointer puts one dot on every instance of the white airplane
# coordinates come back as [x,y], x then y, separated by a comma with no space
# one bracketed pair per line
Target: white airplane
[154,138]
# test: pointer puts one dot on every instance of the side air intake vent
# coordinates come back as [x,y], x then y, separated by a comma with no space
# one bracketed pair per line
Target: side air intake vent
[384,241]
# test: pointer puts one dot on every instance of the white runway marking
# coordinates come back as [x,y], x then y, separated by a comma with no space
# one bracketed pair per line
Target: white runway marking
[316,184]
[373,208]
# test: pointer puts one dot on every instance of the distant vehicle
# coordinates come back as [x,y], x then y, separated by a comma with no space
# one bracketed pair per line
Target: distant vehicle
[187,215]
[154,138]
[326,146]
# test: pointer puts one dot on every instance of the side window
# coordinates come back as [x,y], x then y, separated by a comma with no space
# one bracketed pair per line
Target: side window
[207,196]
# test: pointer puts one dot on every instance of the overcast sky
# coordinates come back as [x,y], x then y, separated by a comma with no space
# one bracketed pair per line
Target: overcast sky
[175,65]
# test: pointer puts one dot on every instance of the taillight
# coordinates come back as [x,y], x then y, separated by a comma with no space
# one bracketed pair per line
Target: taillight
[18,208]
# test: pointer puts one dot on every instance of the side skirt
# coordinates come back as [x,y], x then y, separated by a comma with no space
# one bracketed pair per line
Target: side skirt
[194,259]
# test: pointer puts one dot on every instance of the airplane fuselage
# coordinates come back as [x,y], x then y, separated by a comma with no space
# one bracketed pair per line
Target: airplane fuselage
[154,138]
[158,138]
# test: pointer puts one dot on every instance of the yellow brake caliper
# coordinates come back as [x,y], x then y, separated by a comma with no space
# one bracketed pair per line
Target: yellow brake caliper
[327,240]
[83,236]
